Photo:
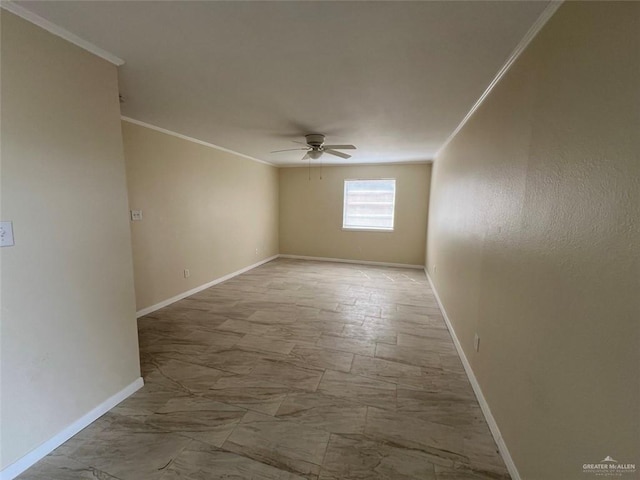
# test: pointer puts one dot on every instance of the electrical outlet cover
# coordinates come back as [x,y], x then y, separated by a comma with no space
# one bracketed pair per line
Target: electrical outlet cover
[6,234]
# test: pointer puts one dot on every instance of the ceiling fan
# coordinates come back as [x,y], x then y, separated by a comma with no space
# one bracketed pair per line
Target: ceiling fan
[315,147]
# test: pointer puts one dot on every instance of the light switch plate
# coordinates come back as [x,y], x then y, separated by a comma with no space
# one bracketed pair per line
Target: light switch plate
[136,215]
[6,234]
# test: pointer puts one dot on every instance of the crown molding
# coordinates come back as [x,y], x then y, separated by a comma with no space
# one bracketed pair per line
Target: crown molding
[57,30]
[218,147]
[191,139]
[369,164]
[540,22]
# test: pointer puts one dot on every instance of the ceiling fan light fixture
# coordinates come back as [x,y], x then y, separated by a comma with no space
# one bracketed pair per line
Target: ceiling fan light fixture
[315,148]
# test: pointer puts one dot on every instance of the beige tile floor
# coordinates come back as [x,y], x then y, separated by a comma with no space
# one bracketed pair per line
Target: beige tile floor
[293,370]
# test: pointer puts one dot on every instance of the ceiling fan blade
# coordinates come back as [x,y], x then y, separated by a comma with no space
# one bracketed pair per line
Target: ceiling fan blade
[306,157]
[288,150]
[340,147]
[336,153]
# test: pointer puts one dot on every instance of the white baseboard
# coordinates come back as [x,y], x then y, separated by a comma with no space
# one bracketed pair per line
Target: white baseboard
[493,426]
[345,260]
[188,293]
[20,465]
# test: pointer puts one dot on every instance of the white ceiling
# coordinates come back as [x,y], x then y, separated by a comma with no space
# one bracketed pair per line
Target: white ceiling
[393,78]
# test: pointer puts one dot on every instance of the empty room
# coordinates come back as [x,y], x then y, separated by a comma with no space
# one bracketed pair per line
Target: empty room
[319,240]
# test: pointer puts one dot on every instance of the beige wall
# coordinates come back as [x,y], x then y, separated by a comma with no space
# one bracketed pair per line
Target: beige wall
[68,330]
[204,209]
[311,214]
[534,243]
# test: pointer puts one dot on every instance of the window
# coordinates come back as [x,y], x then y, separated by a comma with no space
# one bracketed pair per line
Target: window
[369,204]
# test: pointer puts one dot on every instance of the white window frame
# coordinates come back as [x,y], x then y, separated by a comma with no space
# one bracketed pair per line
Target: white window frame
[368,229]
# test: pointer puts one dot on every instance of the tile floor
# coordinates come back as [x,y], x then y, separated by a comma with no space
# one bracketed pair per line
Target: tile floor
[293,370]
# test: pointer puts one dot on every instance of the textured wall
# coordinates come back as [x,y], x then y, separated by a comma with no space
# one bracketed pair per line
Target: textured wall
[311,214]
[204,209]
[534,243]
[69,338]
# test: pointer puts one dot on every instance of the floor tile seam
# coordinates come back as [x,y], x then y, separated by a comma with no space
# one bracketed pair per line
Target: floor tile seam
[73,456]
[239,454]
[147,426]
[277,465]
[270,385]
[342,351]
[86,465]
[395,390]
[166,467]
[183,387]
[210,395]
[398,383]
[259,352]
[229,372]
[430,449]
[324,455]
[366,342]
[287,339]
[356,337]
[294,389]
[404,363]
[195,412]
[392,444]
[321,379]
[353,360]
[289,360]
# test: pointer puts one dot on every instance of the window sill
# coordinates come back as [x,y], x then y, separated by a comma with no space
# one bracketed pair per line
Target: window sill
[364,229]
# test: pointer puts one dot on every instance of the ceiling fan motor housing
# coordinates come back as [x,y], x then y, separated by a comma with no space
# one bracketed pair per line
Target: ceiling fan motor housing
[315,140]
